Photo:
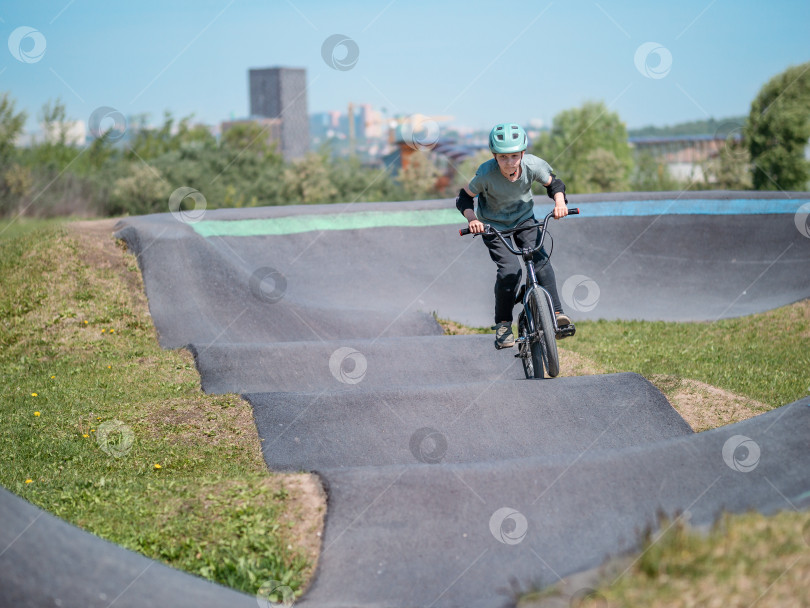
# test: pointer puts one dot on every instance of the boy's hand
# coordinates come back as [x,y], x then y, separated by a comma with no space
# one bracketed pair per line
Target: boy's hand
[560,211]
[476,227]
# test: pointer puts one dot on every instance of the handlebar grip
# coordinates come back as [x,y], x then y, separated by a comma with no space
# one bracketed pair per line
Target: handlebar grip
[463,231]
[574,211]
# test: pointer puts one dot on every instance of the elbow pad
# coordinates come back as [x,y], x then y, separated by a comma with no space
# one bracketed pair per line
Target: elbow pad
[555,186]
[464,201]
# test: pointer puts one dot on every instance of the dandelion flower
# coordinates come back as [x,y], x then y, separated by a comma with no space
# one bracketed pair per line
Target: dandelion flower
[86,321]
[109,367]
[29,480]
[98,417]
[52,377]
[112,331]
[36,413]
[34,395]
[157,466]
[103,330]
[85,435]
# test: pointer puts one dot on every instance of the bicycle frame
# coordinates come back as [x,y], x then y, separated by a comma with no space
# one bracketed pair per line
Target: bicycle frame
[537,324]
[527,255]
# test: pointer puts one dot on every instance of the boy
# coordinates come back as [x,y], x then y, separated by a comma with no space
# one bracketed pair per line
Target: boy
[504,189]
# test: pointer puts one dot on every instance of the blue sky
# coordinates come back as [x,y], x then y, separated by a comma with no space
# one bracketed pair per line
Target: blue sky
[480,62]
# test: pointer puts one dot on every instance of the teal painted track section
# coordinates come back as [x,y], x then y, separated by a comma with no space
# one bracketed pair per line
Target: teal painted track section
[354,220]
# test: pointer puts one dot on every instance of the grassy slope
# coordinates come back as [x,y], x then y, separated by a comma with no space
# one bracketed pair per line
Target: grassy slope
[105,429]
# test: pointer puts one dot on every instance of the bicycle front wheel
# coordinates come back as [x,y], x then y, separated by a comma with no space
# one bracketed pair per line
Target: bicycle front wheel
[527,349]
[544,337]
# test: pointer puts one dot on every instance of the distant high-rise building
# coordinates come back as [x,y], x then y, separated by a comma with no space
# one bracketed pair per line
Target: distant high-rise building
[282,93]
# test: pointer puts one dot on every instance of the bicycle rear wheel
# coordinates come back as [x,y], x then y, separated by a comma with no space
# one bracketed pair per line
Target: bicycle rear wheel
[545,339]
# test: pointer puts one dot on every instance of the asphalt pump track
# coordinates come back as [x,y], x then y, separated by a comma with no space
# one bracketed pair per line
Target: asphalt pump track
[450,478]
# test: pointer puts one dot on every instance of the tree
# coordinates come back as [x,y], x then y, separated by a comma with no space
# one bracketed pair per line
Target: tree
[11,125]
[55,151]
[309,180]
[652,175]
[778,131]
[730,169]
[142,190]
[356,182]
[603,172]
[467,168]
[418,179]
[249,137]
[574,136]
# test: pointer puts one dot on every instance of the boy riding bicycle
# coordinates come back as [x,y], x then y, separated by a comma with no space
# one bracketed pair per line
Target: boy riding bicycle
[504,189]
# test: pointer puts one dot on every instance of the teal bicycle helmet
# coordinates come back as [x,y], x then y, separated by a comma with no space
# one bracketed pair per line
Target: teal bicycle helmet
[507,138]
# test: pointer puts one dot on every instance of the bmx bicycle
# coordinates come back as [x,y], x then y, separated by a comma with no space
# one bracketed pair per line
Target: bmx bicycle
[538,331]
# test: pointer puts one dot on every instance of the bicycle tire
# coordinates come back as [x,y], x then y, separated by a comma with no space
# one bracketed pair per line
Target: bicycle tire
[533,343]
[546,341]
[523,347]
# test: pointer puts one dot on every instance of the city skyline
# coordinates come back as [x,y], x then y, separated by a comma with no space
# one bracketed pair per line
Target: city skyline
[652,64]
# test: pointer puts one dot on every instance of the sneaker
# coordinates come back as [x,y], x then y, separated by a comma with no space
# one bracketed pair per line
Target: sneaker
[562,319]
[503,335]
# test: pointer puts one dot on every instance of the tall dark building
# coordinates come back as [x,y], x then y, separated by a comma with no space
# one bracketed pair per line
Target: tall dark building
[282,93]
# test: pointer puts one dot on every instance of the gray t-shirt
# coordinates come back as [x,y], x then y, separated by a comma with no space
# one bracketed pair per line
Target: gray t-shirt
[505,204]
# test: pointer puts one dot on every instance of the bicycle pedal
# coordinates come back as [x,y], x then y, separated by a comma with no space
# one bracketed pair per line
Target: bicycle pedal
[566,331]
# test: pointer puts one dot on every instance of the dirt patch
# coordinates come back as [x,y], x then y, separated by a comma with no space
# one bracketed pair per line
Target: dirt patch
[704,406]
[306,510]
[211,418]
[451,328]
[101,250]
[574,364]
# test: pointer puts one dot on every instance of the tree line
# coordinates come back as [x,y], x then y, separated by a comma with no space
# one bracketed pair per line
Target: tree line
[587,146]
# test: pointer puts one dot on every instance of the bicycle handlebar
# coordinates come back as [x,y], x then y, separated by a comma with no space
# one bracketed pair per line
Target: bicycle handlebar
[490,230]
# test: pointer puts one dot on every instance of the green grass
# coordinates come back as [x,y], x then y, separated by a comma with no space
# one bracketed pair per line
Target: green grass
[745,560]
[764,356]
[12,228]
[106,430]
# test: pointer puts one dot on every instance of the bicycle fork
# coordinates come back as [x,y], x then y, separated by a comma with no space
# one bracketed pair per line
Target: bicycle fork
[523,295]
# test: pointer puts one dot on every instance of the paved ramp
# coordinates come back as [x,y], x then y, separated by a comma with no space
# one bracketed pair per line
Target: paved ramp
[474,422]
[448,475]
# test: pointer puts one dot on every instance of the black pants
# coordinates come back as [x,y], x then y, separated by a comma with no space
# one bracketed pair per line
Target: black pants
[510,271]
